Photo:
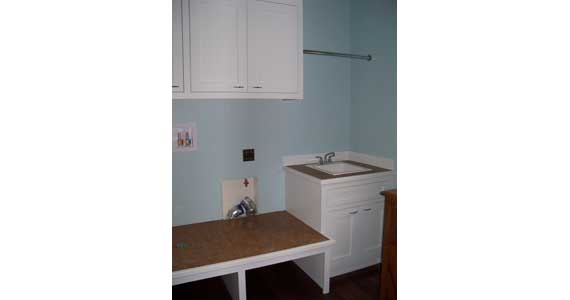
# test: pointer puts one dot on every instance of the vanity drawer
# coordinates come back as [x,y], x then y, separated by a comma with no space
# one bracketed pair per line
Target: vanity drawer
[357,193]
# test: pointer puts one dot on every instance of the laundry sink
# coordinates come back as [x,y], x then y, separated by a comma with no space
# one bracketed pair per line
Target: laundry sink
[338,168]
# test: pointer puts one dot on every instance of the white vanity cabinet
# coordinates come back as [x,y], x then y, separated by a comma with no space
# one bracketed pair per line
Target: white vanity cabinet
[349,210]
[239,49]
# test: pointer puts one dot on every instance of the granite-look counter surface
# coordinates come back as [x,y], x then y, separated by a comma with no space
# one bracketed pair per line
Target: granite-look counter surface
[213,242]
[324,176]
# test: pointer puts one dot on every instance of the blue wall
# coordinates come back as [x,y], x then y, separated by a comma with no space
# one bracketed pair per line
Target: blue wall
[373,84]
[319,123]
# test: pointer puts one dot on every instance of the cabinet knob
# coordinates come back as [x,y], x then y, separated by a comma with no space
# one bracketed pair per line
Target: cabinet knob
[257,87]
[367,209]
[353,212]
[238,86]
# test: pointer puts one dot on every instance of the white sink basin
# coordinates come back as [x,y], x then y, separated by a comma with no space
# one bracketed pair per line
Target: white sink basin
[338,168]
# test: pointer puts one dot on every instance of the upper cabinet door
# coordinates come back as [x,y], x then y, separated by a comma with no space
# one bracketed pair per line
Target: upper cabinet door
[274,46]
[218,45]
[177,48]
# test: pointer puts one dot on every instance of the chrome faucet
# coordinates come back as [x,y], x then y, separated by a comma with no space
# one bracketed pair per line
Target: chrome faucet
[328,157]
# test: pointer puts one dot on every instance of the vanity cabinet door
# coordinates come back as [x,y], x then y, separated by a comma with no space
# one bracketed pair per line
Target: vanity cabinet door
[340,227]
[368,233]
[358,235]
[177,48]
[273,46]
[218,45]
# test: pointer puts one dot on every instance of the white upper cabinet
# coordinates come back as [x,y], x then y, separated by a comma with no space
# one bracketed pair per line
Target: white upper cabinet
[272,47]
[218,45]
[177,48]
[246,49]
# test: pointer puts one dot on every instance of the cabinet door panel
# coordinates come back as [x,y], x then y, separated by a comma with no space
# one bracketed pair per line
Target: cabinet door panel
[339,228]
[177,48]
[217,45]
[273,48]
[367,229]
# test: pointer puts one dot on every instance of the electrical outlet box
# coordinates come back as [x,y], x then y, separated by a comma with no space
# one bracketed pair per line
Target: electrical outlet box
[248,154]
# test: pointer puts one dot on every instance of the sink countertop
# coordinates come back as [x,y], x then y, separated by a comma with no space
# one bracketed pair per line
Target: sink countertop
[324,176]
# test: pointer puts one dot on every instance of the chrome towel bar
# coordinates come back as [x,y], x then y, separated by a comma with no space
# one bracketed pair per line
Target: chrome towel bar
[347,55]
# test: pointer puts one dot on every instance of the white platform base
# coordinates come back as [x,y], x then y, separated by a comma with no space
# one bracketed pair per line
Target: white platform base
[318,268]
[316,264]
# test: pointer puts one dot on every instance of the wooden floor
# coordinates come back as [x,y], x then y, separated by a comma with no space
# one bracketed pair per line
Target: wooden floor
[286,281]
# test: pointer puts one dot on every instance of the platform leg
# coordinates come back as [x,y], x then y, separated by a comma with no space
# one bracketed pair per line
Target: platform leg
[318,268]
[326,272]
[235,284]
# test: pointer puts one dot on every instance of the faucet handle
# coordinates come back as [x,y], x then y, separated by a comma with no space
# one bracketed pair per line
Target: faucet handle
[321,161]
[329,156]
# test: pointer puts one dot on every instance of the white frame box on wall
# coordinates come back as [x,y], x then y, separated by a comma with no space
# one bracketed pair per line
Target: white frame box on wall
[188,133]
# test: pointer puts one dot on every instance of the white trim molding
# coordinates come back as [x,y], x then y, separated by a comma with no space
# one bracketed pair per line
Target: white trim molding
[302,159]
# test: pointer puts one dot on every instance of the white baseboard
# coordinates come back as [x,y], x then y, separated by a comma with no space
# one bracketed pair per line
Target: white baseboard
[378,161]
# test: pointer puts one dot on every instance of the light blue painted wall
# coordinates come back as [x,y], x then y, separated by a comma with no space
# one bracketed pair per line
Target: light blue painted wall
[373,84]
[320,122]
